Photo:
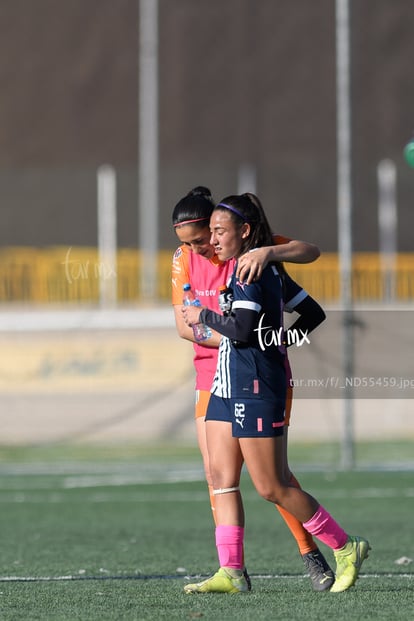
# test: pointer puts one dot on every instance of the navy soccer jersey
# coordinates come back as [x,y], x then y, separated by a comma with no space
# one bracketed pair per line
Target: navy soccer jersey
[254,368]
[293,293]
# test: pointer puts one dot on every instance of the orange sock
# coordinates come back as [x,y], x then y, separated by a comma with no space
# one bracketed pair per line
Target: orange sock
[303,538]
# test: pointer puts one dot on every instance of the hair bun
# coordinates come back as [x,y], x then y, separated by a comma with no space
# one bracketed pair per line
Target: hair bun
[200,190]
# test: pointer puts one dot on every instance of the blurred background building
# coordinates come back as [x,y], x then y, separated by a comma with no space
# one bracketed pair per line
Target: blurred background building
[243,85]
[247,95]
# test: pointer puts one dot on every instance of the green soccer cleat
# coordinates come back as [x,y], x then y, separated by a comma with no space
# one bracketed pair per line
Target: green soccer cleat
[321,575]
[224,581]
[348,563]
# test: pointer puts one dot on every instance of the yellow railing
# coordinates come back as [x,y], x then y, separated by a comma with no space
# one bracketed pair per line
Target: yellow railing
[62,274]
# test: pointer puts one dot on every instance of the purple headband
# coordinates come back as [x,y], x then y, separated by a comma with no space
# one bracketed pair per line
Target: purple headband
[234,210]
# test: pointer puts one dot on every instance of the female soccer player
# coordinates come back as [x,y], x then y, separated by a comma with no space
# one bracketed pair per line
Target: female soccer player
[245,414]
[195,262]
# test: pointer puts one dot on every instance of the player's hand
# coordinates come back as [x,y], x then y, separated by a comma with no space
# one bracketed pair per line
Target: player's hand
[251,265]
[191,314]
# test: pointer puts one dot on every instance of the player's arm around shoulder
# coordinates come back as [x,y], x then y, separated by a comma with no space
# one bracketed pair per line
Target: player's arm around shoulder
[250,266]
[294,250]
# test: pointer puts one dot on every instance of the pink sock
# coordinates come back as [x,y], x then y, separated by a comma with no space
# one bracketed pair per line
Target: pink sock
[323,526]
[229,543]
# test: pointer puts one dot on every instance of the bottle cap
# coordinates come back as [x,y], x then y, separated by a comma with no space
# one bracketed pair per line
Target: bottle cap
[187,286]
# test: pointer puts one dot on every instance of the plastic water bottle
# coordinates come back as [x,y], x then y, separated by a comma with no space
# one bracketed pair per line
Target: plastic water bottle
[200,330]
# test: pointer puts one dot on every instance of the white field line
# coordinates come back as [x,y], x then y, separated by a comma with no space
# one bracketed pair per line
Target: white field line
[70,467]
[57,496]
[80,577]
[56,491]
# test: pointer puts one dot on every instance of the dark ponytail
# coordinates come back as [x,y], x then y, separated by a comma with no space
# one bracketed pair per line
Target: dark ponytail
[248,208]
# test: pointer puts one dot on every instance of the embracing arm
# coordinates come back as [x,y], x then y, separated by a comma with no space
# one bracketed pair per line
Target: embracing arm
[251,265]
[294,251]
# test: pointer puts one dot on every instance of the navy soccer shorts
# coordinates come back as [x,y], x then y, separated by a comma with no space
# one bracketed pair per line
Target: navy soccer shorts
[250,418]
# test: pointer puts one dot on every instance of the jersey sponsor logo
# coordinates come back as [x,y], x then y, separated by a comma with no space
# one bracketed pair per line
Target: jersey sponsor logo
[239,414]
[178,253]
[206,293]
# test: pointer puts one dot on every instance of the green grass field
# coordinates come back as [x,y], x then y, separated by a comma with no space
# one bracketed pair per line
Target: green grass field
[90,534]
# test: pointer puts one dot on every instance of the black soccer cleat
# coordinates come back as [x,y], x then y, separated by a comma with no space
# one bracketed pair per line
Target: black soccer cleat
[321,575]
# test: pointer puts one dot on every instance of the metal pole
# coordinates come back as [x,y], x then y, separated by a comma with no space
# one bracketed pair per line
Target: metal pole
[344,198]
[107,244]
[246,179]
[387,224]
[148,146]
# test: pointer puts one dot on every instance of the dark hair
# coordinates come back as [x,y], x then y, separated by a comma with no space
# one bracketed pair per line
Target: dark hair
[195,208]
[248,208]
